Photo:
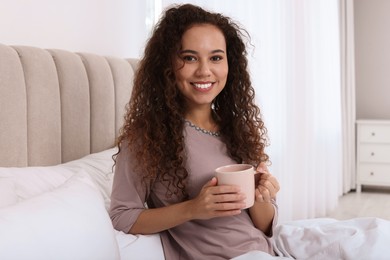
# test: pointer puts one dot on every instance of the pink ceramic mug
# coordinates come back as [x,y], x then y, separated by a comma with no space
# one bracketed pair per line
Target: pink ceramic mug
[241,175]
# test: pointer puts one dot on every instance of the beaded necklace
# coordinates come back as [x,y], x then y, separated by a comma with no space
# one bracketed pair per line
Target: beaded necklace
[197,128]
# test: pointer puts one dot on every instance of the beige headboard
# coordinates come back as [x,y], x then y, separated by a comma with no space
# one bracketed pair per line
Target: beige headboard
[57,106]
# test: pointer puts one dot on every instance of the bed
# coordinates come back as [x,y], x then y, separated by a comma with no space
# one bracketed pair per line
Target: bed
[60,113]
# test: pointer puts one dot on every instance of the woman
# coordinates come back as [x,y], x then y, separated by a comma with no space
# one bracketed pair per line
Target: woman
[192,110]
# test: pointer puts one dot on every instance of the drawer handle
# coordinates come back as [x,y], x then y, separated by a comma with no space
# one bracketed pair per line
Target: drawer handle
[372,153]
[372,173]
[373,134]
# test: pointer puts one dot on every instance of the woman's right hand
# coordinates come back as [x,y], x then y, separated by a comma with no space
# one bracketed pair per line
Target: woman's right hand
[217,201]
[212,201]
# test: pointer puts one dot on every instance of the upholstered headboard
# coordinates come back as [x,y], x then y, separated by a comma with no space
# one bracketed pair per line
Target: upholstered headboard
[57,106]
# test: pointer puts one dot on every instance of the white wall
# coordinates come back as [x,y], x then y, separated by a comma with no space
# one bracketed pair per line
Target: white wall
[106,27]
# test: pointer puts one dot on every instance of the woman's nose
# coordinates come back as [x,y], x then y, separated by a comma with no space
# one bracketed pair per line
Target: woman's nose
[203,69]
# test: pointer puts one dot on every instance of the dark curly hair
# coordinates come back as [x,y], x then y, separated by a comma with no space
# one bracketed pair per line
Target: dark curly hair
[154,124]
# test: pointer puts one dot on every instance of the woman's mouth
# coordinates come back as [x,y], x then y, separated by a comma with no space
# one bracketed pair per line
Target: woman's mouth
[203,86]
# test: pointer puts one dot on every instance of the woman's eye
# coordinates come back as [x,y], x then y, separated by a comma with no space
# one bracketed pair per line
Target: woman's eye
[216,58]
[189,58]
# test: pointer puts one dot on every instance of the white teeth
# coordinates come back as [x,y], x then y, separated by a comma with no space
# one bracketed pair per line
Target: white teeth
[202,86]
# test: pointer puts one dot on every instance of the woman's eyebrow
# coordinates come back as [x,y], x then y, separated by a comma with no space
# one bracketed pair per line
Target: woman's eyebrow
[188,51]
[195,52]
[218,51]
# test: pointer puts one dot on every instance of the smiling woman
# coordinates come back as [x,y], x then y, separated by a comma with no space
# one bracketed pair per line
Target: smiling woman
[192,110]
[296,76]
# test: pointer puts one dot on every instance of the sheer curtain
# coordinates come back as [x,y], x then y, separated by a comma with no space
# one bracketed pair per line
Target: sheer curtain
[348,93]
[295,68]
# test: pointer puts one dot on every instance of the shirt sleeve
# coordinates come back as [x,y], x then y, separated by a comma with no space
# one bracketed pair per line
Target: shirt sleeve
[275,219]
[128,192]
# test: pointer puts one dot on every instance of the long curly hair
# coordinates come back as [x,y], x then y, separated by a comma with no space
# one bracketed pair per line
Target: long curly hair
[153,126]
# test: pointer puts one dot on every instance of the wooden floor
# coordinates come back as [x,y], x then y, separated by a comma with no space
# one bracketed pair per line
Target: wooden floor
[371,202]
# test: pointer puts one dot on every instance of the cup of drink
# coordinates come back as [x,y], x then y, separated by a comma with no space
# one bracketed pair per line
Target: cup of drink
[242,175]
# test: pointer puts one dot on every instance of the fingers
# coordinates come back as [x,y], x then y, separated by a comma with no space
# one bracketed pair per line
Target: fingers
[218,201]
[262,168]
[231,198]
[210,183]
[260,197]
[225,194]
[270,183]
[267,186]
[263,194]
[228,202]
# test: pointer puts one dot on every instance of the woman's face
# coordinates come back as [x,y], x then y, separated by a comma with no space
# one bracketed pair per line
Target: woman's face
[201,69]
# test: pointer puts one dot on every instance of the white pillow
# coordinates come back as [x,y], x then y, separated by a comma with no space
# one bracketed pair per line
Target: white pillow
[7,192]
[32,181]
[99,166]
[69,222]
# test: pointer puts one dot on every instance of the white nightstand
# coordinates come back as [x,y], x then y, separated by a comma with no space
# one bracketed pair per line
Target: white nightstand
[373,153]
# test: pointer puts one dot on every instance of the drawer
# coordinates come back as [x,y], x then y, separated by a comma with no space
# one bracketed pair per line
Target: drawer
[374,153]
[374,133]
[379,174]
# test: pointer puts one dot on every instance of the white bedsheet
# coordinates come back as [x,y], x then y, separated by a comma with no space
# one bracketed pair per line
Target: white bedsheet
[147,247]
[358,238]
[321,238]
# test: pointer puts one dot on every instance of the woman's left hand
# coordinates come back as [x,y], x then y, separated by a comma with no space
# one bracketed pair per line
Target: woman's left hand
[267,185]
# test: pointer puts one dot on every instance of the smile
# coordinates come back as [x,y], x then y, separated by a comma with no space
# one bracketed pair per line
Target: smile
[202,86]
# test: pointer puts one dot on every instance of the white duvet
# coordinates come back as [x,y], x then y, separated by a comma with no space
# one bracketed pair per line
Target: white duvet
[60,212]
[358,238]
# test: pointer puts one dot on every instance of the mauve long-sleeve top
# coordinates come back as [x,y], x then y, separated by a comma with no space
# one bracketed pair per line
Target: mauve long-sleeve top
[217,238]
